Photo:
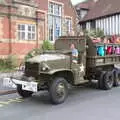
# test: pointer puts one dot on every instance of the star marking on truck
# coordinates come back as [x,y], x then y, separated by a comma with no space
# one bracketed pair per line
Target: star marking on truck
[82,68]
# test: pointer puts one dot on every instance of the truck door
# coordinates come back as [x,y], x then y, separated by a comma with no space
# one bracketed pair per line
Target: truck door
[79,68]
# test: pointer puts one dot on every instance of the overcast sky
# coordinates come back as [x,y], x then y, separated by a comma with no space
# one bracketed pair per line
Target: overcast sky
[76,1]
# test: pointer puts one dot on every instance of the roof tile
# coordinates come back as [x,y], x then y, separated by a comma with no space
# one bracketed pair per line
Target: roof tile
[103,8]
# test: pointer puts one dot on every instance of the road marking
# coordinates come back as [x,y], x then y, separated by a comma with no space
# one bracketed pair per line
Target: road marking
[19,99]
[15,100]
[9,101]
[4,103]
[1,105]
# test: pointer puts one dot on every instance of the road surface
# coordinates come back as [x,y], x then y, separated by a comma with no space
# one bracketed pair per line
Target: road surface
[83,103]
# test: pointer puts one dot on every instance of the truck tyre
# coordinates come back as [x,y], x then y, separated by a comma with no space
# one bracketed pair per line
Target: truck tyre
[116,77]
[23,93]
[101,77]
[58,90]
[108,80]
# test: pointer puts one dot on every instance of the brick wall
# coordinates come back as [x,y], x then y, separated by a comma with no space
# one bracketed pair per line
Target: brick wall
[10,17]
[5,28]
[9,43]
[4,48]
[22,48]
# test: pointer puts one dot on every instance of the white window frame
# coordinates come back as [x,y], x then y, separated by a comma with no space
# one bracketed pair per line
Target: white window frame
[26,31]
[20,32]
[69,25]
[55,15]
[53,11]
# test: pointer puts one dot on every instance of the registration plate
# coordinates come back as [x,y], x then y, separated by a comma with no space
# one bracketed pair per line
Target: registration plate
[30,86]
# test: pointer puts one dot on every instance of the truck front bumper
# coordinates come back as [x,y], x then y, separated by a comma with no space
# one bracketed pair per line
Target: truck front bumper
[28,86]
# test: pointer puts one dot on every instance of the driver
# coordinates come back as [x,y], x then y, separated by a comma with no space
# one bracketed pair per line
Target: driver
[74,53]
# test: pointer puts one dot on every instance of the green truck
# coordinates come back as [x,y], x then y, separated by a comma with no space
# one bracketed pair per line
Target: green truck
[54,70]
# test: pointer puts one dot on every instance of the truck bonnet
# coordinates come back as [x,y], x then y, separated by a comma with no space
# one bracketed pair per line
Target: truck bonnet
[46,57]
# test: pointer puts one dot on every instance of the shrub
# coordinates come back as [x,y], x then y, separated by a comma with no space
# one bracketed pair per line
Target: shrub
[2,62]
[37,51]
[8,64]
[94,33]
[47,45]
[11,62]
[34,52]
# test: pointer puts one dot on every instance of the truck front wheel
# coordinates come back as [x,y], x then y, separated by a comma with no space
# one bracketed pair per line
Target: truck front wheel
[23,93]
[58,90]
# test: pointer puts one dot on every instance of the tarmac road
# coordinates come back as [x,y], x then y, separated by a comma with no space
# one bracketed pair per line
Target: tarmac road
[82,104]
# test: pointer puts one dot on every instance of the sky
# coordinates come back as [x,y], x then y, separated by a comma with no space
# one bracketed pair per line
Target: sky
[76,1]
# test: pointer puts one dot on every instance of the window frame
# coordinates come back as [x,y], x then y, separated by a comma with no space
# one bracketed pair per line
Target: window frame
[55,18]
[26,32]
[68,22]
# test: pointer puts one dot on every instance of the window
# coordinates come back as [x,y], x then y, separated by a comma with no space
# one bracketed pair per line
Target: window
[83,13]
[51,8]
[31,32]
[55,9]
[78,12]
[83,26]
[54,21]
[67,26]
[93,24]
[21,32]
[68,23]
[26,32]
[57,27]
[50,25]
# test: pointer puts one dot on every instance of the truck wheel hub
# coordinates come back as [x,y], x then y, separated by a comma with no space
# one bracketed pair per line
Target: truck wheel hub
[60,90]
[109,80]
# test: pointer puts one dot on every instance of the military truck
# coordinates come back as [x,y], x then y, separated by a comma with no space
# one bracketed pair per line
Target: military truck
[54,70]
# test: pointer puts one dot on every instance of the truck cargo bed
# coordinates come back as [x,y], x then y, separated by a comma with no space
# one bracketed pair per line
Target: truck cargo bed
[94,61]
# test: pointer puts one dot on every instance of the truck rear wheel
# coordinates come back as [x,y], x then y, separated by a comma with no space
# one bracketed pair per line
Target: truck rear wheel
[116,78]
[23,93]
[108,81]
[101,77]
[58,90]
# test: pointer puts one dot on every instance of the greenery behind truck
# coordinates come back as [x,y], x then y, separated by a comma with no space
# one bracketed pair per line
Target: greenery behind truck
[54,70]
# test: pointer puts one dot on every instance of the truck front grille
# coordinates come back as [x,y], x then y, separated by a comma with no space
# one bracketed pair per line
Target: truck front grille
[31,69]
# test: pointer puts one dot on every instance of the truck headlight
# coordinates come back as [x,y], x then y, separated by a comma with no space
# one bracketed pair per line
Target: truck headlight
[45,67]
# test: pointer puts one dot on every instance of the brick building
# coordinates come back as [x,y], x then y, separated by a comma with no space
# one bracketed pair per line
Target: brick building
[24,24]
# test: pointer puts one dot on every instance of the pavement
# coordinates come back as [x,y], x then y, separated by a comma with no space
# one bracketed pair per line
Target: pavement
[6,90]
